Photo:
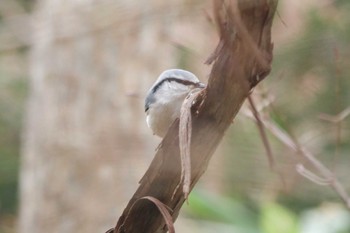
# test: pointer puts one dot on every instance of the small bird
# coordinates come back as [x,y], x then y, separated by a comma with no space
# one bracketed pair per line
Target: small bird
[164,99]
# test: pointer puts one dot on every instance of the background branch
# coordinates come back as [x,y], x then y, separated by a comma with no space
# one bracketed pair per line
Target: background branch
[328,177]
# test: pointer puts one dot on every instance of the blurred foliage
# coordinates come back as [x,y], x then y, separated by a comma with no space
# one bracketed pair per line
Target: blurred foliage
[315,80]
[13,92]
[223,209]
[11,109]
[276,218]
[233,215]
[310,76]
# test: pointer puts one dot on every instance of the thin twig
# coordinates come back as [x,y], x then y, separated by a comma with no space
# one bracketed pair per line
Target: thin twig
[262,132]
[311,176]
[337,118]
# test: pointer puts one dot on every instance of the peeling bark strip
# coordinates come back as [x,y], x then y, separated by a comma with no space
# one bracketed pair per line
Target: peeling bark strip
[241,60]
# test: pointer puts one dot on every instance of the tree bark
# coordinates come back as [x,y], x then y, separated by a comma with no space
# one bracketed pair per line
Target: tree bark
[242,59]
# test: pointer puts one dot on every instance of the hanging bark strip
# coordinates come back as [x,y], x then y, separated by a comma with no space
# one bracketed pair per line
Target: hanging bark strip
[242,59]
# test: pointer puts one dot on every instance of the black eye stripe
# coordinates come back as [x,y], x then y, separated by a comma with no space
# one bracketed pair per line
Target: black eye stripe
[150,97]
[170,79]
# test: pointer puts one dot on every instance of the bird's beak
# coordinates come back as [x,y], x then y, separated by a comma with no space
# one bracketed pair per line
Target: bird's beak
[201,85]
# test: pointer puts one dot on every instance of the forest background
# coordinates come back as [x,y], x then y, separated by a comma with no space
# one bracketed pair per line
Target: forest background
[73,139]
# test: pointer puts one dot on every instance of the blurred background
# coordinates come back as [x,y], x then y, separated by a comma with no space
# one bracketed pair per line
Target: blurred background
[73,137]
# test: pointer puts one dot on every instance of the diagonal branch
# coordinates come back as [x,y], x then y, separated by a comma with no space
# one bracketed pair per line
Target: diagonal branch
[234,73]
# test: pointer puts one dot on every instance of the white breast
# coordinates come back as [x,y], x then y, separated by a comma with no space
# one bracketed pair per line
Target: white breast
[166,109]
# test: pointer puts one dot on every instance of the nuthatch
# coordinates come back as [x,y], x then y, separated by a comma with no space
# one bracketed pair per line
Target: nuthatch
[164,99]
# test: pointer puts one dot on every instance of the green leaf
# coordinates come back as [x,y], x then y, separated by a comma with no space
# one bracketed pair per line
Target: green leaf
[276,219]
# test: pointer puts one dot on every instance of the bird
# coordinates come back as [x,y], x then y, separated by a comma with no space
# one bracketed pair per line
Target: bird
[164,99]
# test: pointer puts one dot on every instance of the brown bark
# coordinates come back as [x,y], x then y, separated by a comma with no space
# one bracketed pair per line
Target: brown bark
[241,60]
